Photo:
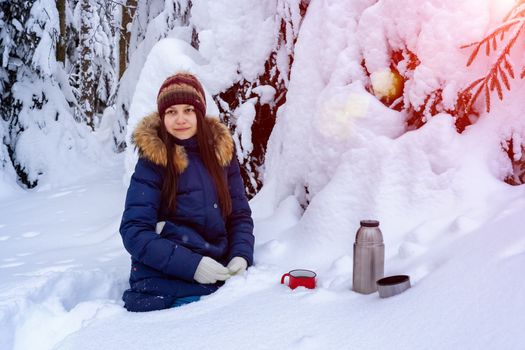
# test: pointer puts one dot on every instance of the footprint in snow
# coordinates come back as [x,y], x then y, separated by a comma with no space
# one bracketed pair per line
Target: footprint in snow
[59,194]
[30,234]
[13,264]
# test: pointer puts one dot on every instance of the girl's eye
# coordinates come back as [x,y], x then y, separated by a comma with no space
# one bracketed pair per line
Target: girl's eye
[189,110]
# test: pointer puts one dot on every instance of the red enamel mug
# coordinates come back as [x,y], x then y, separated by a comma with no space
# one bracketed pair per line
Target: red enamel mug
[300,278]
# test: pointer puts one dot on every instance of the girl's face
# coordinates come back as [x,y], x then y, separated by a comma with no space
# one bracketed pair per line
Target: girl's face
[181,121]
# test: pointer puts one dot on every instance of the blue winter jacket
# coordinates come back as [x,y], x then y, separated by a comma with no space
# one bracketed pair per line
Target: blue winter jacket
[163,265]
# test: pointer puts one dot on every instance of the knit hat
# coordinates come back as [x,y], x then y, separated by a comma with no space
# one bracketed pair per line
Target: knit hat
[181,88]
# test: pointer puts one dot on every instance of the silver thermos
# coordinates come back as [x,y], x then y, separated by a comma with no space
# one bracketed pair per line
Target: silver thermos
[369,257]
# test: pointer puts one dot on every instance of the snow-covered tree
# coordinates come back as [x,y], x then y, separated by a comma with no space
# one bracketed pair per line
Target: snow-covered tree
[86,72]
[39,130]
[61,41]
[405,69]
[260,99]
[502,43]
[20,36]
[93,62]
[128,13]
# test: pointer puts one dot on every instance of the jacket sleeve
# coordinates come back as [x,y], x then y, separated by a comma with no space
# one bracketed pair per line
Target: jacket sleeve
[239,223]
[138,226]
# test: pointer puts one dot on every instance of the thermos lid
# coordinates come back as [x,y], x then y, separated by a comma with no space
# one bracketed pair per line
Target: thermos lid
[369,233]
[392,285]
[370,223]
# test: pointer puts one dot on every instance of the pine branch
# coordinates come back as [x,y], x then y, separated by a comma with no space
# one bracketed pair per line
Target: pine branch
[508,67]
[505,27]
[504,78]
[499,69]
[468,98]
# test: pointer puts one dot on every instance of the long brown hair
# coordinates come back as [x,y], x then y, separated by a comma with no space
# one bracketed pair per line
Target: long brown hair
[207,152]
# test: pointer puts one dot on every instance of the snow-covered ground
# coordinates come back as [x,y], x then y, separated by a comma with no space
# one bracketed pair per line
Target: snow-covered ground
[336,156]
[59,250]
[63,269]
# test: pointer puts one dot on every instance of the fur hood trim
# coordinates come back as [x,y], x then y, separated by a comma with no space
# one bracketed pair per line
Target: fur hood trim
[150,146]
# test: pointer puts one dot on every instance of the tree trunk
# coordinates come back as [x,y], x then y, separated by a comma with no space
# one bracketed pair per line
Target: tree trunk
[86,74]
[128,11]
[61,44]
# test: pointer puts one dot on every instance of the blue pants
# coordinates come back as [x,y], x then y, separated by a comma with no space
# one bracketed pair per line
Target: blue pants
[140,302]
[158,293]
[185,300]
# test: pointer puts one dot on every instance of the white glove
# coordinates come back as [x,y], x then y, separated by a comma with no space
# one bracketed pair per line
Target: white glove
[237,265]
[210,271]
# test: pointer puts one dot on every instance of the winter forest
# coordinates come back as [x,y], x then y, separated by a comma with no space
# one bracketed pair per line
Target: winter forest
[409,112]
[70,69]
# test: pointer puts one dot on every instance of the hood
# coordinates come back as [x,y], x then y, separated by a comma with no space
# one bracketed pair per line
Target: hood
[150,146]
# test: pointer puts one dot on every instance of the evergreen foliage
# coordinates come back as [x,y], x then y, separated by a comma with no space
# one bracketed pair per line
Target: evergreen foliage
[501,70]
[20,35]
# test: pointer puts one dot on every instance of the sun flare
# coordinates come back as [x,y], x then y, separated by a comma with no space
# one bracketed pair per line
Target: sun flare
[499,8]
[338,115]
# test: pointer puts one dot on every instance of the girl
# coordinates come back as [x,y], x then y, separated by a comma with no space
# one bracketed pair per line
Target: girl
[186,222]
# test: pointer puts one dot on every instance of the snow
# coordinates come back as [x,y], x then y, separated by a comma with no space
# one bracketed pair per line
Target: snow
[245,114]
[44,12]
[223,41]
[8,186]
[265,92]
[61,289]
[53,148]
[336,156]
[54,245]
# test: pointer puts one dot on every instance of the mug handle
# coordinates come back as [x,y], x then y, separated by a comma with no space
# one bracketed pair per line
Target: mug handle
[284,276]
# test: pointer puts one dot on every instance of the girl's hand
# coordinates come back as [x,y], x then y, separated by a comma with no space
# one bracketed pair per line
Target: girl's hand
[210,271]
[237,265]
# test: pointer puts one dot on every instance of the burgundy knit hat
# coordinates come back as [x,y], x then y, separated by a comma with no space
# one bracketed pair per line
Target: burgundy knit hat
[181,88]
